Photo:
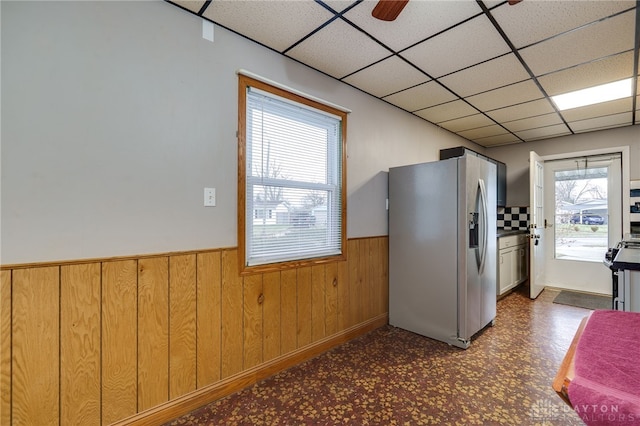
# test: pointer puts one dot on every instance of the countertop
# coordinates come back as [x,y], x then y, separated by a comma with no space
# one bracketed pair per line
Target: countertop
[506,233]
[627,258]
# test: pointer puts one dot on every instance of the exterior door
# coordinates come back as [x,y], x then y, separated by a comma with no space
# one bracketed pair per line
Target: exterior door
[537,226]
[583,196]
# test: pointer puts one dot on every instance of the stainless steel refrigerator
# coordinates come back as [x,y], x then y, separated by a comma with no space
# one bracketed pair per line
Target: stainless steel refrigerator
[442,248]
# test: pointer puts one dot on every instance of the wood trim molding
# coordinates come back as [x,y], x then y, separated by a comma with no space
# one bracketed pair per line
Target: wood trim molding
[193,400]
[109,259]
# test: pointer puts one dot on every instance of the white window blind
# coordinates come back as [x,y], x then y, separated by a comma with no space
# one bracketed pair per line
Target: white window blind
[293,181]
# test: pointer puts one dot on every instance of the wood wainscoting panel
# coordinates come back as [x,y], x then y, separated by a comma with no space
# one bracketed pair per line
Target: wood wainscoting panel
[208,321]
[303,321]
[271,311]
[80,344]
[153,331]
[182,324]
[138,340]
[331,298]
[365,282]
[317,302]
[356,301]
[253,299]
[288,311]
[119,336]
[232,352]
[35,380]
[5,347]
[344,296]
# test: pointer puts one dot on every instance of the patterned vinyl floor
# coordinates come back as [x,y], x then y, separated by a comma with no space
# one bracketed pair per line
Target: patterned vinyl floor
[394,377]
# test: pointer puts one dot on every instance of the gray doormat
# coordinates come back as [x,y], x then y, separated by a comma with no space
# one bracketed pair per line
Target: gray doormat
[583,300]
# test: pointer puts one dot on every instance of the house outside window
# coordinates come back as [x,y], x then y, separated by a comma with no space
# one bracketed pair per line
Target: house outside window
[291,189]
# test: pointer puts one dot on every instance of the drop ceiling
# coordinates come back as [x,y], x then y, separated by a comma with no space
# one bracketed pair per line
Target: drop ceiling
[484,70]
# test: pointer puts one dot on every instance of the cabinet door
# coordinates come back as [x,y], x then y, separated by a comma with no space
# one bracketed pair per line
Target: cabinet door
[515,265]
[505,261]
[524,262]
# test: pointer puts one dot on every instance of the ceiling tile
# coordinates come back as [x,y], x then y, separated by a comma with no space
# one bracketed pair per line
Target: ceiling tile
[277,24]
[465,45]
[447,111]
[605,38]
[483,132]
[467,123]
[516,112]
[533,122]
[602,71]
[486,76]
[191,5]
[352,49]
[420,97]
[418,20]
[599,123]
[504,139]
[544,132]
[601,109]
[532,21]
[386,77]
[506,96]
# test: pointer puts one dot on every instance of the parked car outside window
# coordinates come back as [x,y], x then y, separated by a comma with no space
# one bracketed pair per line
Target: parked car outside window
[588,219]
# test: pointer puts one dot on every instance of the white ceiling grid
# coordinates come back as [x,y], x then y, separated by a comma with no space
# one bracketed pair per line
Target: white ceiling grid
[481,69]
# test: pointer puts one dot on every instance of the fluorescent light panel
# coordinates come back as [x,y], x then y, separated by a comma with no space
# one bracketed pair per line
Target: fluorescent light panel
[594,95]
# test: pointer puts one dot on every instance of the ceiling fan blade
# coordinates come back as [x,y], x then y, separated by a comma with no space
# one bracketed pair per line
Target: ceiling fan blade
[512,2]
[388,10]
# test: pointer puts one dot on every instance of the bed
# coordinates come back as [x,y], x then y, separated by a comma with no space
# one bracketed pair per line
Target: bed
[600,374]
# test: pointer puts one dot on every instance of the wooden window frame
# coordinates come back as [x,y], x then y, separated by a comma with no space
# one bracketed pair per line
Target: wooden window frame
[245,82]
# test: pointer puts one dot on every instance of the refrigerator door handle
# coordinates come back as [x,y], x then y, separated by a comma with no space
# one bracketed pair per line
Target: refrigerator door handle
[484,223]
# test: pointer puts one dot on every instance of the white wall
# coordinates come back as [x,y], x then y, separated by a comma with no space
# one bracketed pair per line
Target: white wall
[517,156]
[116,115]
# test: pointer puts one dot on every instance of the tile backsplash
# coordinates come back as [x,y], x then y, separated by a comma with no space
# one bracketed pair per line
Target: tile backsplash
[513,218]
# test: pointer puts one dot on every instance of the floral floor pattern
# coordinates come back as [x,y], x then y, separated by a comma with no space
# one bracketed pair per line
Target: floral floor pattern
[393,377]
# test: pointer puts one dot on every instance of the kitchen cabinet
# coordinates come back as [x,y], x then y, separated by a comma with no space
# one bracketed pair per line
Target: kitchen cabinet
[513,261]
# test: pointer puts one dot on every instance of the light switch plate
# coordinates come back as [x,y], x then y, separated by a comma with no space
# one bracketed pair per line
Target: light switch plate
[209,197]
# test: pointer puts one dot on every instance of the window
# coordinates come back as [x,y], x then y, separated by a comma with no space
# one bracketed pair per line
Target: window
[291,178]
[583,206]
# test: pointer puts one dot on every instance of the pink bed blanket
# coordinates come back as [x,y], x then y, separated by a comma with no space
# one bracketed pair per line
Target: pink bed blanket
[606,387]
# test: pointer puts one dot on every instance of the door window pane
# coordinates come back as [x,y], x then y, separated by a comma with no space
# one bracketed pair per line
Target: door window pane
[581,214]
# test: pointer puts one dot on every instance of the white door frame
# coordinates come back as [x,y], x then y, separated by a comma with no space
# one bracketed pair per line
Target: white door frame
[626,218]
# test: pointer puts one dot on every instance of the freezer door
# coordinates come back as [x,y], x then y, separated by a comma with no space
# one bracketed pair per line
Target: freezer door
[476,245]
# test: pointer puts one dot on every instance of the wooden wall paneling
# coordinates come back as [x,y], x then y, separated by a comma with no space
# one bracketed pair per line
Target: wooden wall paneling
[288,311]
[365,279]
[80,344]
[35,346]
[153,331]
[344,304]
[5,347]
[208,355]
[374,274]
[231,314]
[119,337]
[331,298]
[383,244]
[355,283]
[182,324]
[253,301]
[304,306]
[271,316]
[317,302]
